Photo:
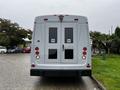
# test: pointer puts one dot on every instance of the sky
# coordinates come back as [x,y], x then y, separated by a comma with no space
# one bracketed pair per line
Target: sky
[103,15]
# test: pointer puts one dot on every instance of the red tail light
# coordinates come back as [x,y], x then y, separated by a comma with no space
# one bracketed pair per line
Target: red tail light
[36,48]
[37,52]
[84,49]
[84,53]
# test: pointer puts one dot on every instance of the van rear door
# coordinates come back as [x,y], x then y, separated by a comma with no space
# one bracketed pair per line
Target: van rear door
[69,43]
[52,43]
[61,42]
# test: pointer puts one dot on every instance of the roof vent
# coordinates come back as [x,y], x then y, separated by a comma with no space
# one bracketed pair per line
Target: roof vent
[61,18]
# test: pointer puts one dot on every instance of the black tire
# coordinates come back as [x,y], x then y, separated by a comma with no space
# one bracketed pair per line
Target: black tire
[2,52]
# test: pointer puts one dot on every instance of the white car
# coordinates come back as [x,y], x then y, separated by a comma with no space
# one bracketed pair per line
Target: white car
[3,49]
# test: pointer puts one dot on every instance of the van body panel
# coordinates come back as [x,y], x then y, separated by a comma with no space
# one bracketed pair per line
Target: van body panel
[61,39]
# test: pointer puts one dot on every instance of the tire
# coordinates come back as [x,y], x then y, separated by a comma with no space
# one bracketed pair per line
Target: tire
[2,52]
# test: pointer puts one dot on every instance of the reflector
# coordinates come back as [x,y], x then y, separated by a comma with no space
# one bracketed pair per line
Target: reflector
[33,65]
[88,65]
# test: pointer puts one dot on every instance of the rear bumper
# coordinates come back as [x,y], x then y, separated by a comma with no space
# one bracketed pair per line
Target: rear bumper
[44,72]
[62,67]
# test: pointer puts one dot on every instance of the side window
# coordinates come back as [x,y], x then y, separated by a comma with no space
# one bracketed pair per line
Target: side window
[52,35]
[68,35]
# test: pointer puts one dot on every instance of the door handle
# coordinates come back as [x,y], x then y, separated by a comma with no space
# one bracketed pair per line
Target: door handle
[63,47]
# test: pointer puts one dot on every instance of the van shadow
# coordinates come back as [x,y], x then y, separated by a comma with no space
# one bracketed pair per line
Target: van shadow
[60,83]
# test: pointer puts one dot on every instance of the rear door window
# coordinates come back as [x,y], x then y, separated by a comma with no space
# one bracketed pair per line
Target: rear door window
[68,54]
[53,35]
[52,54]
[2,48]
[68,35]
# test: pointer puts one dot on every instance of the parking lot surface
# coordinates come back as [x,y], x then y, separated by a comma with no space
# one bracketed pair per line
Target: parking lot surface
[15,75]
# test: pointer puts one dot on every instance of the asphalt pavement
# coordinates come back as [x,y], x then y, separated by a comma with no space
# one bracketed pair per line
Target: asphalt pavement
[15,75]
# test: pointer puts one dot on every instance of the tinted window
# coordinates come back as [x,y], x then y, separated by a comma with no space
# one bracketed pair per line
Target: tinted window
[52,35]
[68,53]
[68,35]
[2,48]
[52,54]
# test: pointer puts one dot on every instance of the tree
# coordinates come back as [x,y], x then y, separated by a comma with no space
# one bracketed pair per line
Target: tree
[11,34]
[115,47]
[100,41]
[4,40]
[117,32]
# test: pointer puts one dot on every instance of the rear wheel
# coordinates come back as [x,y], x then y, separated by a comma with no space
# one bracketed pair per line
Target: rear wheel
[2,52]
[86,73]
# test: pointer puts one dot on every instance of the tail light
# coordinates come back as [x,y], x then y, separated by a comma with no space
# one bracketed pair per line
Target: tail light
[37,52]
[83,57]
[37,48]
[85,49]
[33,65]
[84,53]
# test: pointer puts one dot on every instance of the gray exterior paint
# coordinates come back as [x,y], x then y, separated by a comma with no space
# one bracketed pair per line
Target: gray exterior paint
[81,39]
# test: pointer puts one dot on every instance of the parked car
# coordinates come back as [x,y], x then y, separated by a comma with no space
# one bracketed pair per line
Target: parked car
[14,50]
[18,50]
[26,50]
[3,49]
[11,50]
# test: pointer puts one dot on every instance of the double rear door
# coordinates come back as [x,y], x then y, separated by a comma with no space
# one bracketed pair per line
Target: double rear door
[61,43]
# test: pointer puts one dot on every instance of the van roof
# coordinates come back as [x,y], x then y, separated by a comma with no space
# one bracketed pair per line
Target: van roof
[81,19]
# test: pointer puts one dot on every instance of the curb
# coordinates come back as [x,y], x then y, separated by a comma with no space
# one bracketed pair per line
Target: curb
[98,83]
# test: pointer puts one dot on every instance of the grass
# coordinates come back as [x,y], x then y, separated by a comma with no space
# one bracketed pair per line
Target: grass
[107,71]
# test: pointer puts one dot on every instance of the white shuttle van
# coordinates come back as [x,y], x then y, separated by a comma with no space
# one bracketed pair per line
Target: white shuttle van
[60,46]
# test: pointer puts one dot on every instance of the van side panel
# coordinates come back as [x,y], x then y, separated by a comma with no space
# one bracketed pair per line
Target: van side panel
[38,41]
[32,46]
[84,41]
[89,48]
